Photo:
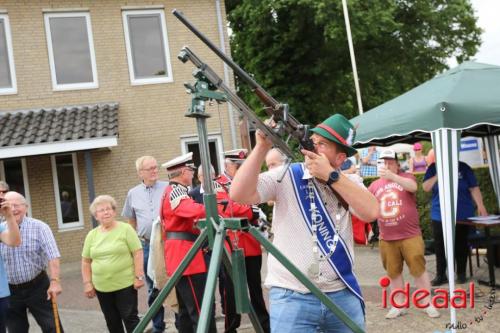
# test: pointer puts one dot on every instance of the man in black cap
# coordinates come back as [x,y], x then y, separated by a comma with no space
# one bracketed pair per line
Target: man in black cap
[312,227]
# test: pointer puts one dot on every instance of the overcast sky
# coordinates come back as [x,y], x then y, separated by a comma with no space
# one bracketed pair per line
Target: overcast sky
[487,12]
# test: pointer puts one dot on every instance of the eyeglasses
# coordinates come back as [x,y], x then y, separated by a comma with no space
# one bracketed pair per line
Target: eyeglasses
[105,210]
[17,206]
[151,169]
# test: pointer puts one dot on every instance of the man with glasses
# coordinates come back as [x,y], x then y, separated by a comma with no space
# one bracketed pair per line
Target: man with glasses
[30,286]
[142,207]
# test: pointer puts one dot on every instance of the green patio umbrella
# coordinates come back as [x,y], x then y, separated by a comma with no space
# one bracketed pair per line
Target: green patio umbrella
[464,100]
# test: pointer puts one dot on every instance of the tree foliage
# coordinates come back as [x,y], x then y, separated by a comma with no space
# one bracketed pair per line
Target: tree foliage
[298,51]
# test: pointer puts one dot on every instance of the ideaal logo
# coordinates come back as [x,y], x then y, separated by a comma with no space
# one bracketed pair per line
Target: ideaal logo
[441,299]
[463,325]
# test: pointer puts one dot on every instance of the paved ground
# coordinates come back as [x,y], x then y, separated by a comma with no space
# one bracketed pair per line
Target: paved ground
[80,314]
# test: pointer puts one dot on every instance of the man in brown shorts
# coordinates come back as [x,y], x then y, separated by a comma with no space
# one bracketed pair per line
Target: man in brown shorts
[400,234]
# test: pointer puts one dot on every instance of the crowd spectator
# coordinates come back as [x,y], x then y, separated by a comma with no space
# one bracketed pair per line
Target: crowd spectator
[369,158]
[112,266]
[30,286]
[9,235]
[400,235]
[468,195]
[142,207]
[179,215]
[275,158]
[244,240]
[418,163]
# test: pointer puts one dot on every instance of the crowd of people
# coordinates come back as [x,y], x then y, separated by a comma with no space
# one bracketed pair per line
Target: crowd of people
[314,203]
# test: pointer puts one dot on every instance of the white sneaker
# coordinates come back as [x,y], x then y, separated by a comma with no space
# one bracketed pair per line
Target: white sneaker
[432,312]
[394,313]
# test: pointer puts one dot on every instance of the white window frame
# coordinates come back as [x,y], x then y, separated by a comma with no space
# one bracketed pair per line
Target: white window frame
[12,90]
[133,80]
[71,86]
[25,181]
[185,140]
[73,225]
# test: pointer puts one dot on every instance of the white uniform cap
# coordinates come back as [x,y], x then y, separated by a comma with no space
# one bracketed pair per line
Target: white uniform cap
[179,161]
[236,155]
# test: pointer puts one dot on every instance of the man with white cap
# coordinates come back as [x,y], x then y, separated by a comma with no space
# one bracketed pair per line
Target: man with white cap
[179,215]
[400,235]
[312,227]
[244,240]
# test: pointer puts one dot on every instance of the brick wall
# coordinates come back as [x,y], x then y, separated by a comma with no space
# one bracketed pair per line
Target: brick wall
[151,117]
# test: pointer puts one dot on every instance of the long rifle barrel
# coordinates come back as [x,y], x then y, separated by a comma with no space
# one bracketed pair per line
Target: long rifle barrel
[276,110]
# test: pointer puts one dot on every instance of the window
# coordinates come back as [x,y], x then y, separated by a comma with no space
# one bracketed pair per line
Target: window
[147,46]
[14,173]
[71,51]
[8,83]
[191,144]
[67,191]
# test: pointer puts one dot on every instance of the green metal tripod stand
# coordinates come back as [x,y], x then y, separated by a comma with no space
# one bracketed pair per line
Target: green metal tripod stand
[214,229]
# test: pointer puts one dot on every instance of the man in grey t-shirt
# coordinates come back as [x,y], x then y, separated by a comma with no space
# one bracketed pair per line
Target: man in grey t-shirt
[142,207]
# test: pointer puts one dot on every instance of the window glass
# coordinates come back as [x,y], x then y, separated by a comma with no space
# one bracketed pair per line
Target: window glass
[5,79]
[147,46]
[146,41]
[13,171]
[67,189]
[70,46]
[195,148]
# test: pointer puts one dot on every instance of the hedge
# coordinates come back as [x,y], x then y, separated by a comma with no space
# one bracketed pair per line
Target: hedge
[424,198]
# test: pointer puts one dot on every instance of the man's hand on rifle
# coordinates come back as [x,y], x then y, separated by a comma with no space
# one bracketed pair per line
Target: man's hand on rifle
[318,165]
[261,138]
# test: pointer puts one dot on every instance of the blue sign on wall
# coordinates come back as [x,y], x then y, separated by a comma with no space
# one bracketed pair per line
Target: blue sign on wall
[469,144]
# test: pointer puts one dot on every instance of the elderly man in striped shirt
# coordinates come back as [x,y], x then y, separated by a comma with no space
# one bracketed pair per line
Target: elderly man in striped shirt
[30,286]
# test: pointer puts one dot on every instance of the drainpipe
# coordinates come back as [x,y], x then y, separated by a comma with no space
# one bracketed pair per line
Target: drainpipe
[89,171]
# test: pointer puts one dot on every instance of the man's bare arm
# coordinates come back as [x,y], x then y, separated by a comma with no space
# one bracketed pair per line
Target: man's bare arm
[244,185]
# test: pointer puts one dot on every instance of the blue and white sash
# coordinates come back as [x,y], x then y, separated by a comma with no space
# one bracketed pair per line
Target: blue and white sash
[341,260]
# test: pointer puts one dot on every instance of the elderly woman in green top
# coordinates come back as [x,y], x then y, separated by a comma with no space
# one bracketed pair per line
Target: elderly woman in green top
[112,266]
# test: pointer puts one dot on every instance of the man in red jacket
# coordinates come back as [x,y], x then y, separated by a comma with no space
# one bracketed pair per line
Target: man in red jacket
[244,240]
[179,214]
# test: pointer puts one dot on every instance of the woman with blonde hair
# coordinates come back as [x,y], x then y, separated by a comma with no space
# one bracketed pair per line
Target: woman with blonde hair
[112,266]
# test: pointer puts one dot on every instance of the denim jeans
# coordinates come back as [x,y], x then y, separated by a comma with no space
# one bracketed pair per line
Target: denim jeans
[158,323]
[293,312]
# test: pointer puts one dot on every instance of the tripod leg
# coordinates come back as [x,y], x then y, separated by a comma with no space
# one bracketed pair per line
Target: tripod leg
[213,272]
[305,281]
[171,283]
[252,315]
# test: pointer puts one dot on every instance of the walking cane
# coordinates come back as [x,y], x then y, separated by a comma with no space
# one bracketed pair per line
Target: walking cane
[56,314]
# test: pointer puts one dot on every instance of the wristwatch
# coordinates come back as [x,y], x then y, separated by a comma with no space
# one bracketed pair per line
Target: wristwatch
[334,177]
[140,277]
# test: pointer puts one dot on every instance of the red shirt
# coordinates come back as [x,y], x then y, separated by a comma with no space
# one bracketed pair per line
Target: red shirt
[398,216]
[180,213]
[250,246]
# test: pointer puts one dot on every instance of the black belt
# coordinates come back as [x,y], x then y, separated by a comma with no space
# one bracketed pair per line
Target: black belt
[29,284]
[144,239]
[181,235]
